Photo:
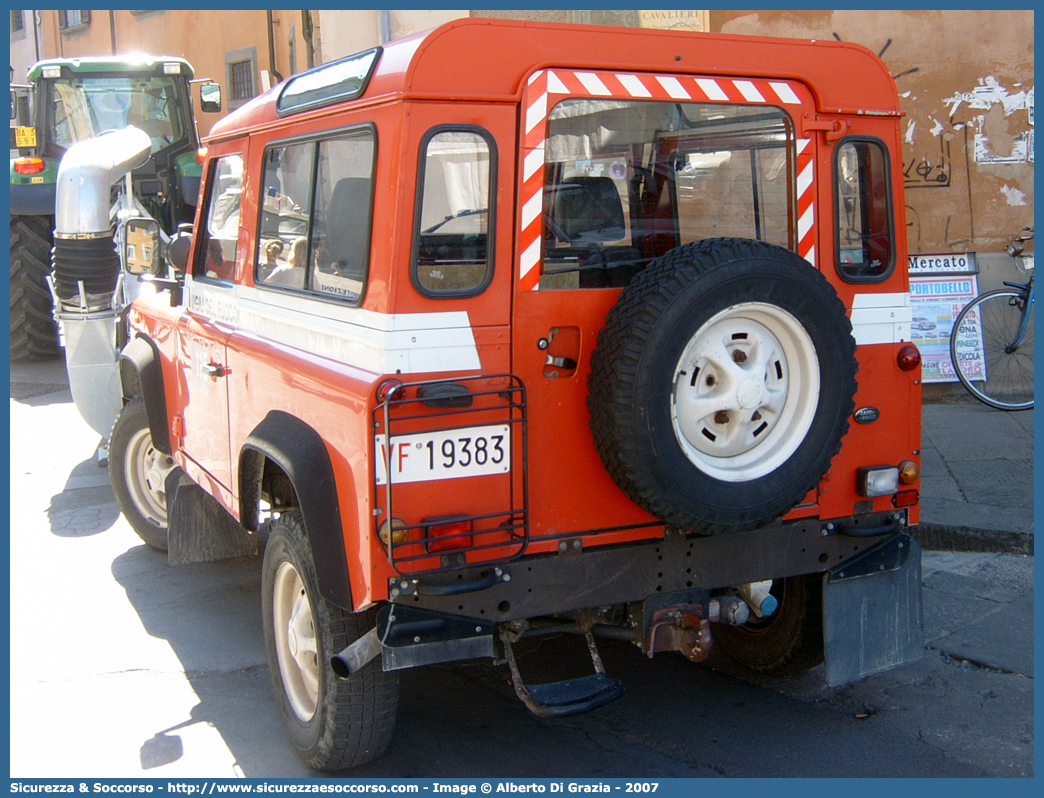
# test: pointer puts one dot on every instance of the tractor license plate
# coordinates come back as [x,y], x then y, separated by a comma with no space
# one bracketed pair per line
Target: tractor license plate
[25,137]
[444,454]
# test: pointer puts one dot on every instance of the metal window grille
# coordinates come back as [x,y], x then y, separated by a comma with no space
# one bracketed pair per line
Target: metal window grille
[17,21]
[241,80]
[73,19]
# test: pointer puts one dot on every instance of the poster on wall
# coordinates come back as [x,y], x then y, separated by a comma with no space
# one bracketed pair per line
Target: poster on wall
[936,302]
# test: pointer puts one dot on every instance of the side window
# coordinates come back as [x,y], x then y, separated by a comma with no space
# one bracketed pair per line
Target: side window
[282,257]
[452,247]
[340,240]
[865,250]
[216,256]
[315,216]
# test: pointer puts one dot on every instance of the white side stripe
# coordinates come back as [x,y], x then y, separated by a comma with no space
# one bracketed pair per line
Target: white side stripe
[634,86]
[534,161]
[380,343]
[711,89]
[536,112]
[673,87]
[555,84]
[593,84]
[749,91]
[785,93]
[531,210]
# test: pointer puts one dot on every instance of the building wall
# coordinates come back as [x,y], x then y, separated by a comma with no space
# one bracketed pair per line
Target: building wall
[965,81]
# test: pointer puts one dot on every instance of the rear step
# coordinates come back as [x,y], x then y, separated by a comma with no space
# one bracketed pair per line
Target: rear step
[570,696]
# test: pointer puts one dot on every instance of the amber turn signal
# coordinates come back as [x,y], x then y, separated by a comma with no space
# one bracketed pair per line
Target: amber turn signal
[909,473]
[398,531]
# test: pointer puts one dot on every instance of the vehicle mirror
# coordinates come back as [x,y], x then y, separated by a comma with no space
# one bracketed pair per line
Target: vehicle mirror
[178,249]
[141,247]
[210,98]
[14,106]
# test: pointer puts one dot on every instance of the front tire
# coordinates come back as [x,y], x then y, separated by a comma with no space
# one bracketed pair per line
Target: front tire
[333,723]
[138,472]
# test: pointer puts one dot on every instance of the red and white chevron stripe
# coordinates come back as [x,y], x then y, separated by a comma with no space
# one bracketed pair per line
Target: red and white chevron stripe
[546,87]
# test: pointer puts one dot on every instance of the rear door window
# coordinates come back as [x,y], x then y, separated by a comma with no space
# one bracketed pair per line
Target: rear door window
[865,248]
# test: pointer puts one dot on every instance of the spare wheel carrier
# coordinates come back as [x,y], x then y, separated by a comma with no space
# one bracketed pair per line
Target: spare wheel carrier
[722,383]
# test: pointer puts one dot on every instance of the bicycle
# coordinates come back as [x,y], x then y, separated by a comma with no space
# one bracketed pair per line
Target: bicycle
[991,345]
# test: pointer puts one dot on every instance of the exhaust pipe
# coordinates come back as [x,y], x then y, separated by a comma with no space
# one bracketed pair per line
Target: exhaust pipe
[86,280]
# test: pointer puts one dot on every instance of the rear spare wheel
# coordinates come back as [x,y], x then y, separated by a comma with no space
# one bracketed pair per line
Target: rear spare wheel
[722,384]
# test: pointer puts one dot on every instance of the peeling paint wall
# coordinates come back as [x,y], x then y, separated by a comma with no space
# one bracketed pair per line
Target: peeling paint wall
[965,80]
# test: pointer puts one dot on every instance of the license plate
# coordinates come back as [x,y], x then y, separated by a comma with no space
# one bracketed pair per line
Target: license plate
[444,454]
[25,136]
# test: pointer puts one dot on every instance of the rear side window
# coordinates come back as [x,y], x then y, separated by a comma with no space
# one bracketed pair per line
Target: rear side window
[452,239]
[217,253]
[865,250]
[315,216]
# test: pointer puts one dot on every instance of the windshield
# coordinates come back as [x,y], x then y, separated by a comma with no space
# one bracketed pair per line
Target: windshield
[82,107]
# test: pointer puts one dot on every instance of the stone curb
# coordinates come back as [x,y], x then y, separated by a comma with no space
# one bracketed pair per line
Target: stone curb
[942,537]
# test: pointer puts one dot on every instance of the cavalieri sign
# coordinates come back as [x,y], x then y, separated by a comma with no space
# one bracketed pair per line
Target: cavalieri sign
[675,20]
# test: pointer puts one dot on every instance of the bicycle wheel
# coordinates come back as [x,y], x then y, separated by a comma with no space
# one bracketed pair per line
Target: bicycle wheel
[1002,376]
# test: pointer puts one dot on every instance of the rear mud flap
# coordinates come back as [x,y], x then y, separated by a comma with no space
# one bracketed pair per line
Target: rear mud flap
[199,529]
[872,612]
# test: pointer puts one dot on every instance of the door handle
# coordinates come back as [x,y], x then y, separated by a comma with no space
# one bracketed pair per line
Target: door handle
[215,370]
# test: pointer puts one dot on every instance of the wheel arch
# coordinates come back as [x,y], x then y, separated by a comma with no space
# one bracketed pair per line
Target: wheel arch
[300,453]
[141,374]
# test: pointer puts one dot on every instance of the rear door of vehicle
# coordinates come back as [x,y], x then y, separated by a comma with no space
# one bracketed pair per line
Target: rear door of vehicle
[559,304]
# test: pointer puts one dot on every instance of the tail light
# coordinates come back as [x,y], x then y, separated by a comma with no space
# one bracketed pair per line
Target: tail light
[877,481]
[448,533]
[909,357]
[29,166]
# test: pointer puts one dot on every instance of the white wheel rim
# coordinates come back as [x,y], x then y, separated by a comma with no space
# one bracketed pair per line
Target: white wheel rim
[147,468]
[745,393]
[295,642]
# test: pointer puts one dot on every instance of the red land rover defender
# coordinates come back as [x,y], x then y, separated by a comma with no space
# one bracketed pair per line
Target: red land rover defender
[510,327]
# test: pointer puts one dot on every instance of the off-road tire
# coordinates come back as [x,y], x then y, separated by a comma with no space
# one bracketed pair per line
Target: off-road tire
[34,332]
[133,459]
[663,327]
[788,642]
[351,720]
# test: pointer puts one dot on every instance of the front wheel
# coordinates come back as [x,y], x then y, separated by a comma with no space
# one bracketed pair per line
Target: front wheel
[1002,322]
[333,723]
[138,473]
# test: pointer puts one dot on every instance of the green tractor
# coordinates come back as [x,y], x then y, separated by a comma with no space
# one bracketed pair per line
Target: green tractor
[73,100]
